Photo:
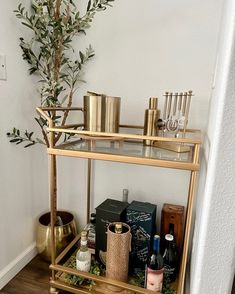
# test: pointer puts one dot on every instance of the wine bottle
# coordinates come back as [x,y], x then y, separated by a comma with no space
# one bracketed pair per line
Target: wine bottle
[171,232]
[83,257]
[170,258]
[171,229]
[118,228]
[154,267]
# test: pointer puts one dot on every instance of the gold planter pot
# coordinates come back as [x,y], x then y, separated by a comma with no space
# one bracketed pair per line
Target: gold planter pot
[64,233]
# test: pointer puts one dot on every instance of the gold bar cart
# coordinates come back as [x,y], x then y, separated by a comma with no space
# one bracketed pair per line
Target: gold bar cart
[116,147]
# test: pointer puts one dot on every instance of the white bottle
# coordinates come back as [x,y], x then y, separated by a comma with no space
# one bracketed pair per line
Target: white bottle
[90,228]
[83,257]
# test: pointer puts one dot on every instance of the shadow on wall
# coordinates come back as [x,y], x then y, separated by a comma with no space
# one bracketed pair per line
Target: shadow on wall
[233,289]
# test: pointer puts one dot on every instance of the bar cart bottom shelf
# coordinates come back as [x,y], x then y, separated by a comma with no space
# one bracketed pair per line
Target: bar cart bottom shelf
[65,268]
[99,288]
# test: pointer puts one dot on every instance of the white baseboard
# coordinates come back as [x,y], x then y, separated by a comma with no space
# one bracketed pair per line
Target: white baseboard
[17,264]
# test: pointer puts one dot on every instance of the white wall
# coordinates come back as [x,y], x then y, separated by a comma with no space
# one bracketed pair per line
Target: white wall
[145,49]
[214,239]
[23,172]
[141,50]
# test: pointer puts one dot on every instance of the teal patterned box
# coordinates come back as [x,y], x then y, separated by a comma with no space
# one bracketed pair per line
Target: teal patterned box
[141,217]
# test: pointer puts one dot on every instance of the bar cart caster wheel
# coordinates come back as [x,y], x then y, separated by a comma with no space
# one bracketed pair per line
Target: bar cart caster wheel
[54,290]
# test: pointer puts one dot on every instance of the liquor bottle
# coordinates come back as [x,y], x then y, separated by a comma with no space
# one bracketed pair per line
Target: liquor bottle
[125,195]
[154,267]
[91,233]
[83,257]
[170,258]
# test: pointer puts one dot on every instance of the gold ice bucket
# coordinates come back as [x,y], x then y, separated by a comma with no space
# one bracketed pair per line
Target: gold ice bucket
[101,113]
[65,231]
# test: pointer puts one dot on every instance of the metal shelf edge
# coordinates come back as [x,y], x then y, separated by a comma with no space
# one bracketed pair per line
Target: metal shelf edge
[125,159]
[100,279]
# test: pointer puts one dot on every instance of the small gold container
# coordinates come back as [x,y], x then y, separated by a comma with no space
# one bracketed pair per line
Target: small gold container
[64,233]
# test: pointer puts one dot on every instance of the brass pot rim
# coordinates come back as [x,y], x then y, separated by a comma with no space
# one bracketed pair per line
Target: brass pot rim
[58,226]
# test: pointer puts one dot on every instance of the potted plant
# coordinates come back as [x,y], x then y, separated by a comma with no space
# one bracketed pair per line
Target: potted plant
[54,23]
[51,57]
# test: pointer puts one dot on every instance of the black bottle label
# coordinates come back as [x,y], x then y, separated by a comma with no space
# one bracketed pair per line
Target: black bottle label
[170,272]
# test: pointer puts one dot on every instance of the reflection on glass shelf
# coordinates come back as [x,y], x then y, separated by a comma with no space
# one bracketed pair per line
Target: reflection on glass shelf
[124,148]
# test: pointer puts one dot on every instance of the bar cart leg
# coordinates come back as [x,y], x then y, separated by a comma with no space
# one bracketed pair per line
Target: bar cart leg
[191,196]
[89,172]
[53,204]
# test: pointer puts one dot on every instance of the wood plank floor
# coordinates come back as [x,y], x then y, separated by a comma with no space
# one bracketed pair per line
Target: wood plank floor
[33,279]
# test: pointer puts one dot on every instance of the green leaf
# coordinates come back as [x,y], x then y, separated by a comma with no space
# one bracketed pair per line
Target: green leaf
[14,140]
[30,135]
[30,144]
[40,121]
[32,70]
[81,56]
[27,25]
[20,141]
[88,5]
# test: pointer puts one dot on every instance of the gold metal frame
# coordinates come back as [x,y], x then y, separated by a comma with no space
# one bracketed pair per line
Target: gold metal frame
[54,151]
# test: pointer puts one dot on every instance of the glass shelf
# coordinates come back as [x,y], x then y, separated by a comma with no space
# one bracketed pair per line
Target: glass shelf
[126,151]
[132,149]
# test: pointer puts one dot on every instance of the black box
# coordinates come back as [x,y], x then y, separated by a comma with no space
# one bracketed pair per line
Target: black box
[107,212]
[141,217]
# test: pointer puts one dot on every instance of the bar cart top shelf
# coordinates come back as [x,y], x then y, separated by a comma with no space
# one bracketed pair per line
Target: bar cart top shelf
[128,148]
[123,147]
[126,151]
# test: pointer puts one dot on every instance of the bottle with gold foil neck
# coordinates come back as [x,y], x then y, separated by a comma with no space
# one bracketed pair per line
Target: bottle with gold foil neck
[118,228]
[150,120]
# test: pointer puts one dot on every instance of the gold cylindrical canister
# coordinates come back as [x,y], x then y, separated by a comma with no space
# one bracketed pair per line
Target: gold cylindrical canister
[101,113]
[93,113]
[111,114]
[150,120]
[117,258]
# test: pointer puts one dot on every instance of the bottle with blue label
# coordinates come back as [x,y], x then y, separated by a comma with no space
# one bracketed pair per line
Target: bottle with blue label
[154,268]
